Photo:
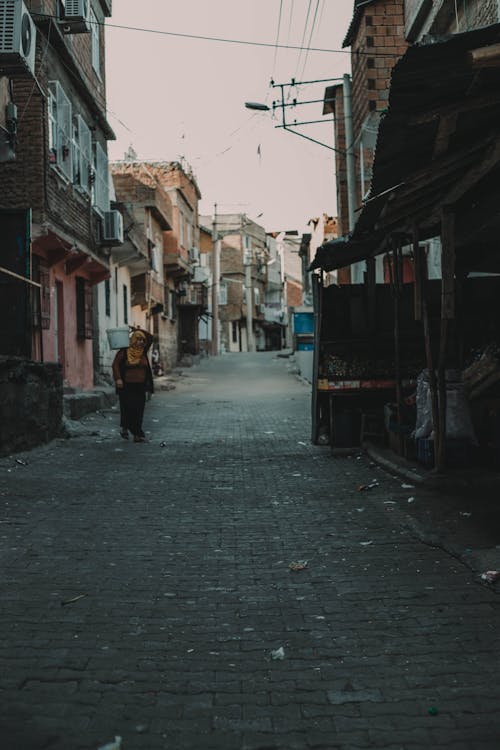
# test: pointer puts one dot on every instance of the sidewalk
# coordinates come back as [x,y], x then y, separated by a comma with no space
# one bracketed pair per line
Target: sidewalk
[458,511]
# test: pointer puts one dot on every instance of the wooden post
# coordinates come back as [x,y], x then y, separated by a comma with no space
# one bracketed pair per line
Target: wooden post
[397,274]
[418,262]
[447,314]
[422,313]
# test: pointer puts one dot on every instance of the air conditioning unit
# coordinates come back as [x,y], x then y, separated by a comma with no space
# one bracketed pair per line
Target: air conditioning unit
[194,255]
[17,39]
[112,228]
[76,15]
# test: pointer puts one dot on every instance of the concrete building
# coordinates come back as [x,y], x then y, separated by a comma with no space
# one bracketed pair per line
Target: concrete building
[242,282]
[169,297]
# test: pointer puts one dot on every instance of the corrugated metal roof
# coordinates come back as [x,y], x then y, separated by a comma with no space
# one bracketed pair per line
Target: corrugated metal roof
[357,15]
[441,125]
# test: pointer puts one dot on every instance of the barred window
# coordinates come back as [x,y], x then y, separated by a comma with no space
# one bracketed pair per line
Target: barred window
[83,308]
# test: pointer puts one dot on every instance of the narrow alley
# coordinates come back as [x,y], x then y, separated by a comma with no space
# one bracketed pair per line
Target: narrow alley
[147,590]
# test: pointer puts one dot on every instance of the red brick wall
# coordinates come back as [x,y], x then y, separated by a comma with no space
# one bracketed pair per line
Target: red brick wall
[381,32]
[293,293]
[30,180]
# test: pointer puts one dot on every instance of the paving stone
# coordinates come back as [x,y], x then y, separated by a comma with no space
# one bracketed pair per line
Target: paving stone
[181,554]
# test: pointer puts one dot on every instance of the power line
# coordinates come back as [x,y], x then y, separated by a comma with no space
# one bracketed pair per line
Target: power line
[303,38]
[277,37]
[243,42]
[310,39]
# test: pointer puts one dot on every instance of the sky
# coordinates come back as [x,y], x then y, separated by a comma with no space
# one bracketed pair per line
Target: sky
[172,96]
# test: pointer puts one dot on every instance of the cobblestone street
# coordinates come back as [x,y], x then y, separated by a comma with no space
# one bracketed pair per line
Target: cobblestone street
[145,587]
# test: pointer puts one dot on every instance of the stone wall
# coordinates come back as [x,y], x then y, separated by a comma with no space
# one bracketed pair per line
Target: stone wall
[31,394]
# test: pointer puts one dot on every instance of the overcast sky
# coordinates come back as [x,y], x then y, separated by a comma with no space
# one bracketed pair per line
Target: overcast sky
[171,96]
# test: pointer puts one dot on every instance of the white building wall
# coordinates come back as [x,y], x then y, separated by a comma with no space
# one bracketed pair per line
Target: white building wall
[116,316]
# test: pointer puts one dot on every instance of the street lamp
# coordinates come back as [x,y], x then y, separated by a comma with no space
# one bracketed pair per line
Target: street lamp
[258,106]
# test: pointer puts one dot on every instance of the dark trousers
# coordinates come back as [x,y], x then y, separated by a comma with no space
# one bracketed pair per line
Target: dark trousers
[132,400]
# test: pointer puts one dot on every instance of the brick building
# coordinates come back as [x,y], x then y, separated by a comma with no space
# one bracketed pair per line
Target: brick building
[56,189]
[377,41]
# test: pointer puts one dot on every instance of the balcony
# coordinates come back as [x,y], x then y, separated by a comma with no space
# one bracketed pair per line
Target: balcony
[176,265]
[146,291]
[194,295]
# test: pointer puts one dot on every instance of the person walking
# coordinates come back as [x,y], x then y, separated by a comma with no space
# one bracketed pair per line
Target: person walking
[133,378]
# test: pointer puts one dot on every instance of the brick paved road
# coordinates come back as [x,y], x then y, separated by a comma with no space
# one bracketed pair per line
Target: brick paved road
[183,551]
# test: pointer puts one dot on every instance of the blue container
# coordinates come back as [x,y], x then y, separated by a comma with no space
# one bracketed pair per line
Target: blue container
[303,346]
[303,322]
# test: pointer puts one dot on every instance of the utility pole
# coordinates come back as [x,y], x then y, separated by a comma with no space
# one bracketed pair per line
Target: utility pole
[247,260]
[356,268]
[215,284]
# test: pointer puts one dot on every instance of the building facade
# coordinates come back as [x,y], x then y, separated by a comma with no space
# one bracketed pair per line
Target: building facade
[57,186]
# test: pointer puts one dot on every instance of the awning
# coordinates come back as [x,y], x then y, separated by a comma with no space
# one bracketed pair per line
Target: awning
[438,144]
[341,252]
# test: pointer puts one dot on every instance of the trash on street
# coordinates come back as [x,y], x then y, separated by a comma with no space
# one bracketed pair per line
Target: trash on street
[278,654]
[73,600]
[116,745]
[298,565]
[365,487]
[490,576]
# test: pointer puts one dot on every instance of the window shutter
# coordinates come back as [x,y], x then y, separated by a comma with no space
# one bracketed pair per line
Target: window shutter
[61,125]
[83,308]
[101,187]
[85,153]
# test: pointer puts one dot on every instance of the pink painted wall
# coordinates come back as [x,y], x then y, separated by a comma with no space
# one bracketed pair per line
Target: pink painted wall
[76,355]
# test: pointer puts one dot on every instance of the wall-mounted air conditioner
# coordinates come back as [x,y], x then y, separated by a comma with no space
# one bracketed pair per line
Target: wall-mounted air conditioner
[75,17]
[17,39]
[112,228]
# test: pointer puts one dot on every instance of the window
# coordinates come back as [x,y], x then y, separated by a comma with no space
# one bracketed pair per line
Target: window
[101,184]
[173,305]
[181,230]
[256,296]
[60,130]
[83,309]
[371,84]
[223,294]
[234,331]
[189,234]
[96,42]
[125,304]
[107,297]
[370,62]
[82,154]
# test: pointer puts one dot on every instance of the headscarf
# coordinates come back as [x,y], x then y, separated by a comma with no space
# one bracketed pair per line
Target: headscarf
[136,348]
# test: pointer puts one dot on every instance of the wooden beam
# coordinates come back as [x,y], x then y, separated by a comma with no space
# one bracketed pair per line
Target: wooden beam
[447,127]
[485,57]
[73,264]
[448,263]
[463,105]
[447,314]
